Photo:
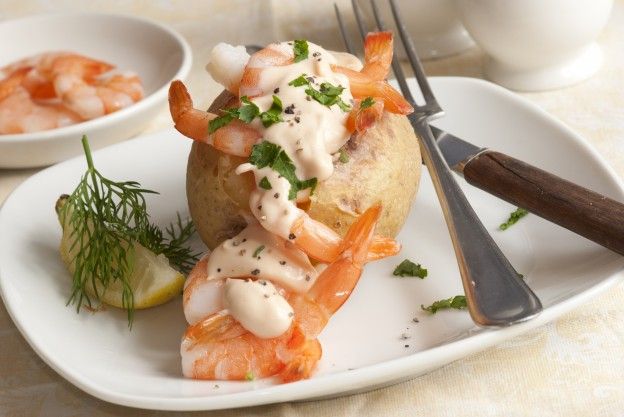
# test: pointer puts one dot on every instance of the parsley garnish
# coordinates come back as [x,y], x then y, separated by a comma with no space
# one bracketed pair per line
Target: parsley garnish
[299,81]
[300,49]
[267,154]
[246,113]
[513,218]
[458,302]
[327,95]
[249,376]
[264,183]
[408,268]
[249,111]
[344,157]
[220,121]
[257,251]
[366,103]
[273,114]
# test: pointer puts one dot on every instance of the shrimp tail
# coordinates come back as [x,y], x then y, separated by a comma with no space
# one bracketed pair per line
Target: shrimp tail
[382,247]
[180,100]
[189,121]
[335,284]
[377,55]
[303,363]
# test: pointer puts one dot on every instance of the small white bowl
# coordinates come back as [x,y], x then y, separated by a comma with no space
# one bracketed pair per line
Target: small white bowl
[535,45]
[156,53]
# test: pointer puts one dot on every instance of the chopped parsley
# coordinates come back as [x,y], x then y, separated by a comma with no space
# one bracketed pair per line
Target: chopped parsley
[220,121]
[458,302]
[513,218]
[299,81]
[328,94]
[264,183]
[408,268]
[246,113]
[366,103]
[344,156]
[249,376]
[273,114]
[300,48]
[267,154]
[257,251]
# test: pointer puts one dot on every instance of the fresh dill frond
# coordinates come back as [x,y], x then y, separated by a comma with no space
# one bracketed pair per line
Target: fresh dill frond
[106,219]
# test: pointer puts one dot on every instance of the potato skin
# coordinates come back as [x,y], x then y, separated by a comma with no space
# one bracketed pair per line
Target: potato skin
[384,166]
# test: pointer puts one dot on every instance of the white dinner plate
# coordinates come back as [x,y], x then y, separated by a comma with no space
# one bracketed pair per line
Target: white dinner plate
[362,345]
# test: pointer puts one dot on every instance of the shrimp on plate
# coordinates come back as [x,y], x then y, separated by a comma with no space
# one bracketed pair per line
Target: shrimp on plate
[219,347]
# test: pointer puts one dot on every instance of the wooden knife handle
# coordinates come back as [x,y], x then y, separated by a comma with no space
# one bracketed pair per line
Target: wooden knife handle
[578,209]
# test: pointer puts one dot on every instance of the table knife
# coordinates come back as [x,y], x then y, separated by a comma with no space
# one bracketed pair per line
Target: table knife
[585,212]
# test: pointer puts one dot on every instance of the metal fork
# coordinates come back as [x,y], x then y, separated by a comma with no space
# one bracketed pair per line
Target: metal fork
[495,292]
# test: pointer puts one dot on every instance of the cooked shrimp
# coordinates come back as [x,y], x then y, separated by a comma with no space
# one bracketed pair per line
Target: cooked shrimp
[227,64]
[363,118]
[323,244]
[20,114]
[369,82]
[77,81]
[14,80]
[204,288]
[235,138]
[44,68]
[103,96]
[274,55]
[218,347]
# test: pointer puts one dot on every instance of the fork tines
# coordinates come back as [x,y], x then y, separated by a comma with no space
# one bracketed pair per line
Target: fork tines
[431,107]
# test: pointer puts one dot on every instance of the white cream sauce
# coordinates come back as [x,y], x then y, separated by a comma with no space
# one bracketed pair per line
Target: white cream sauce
[258,307]
[310,134]
[257,253]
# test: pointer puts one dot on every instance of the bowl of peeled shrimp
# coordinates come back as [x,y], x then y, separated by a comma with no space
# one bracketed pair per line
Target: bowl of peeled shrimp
[73,74]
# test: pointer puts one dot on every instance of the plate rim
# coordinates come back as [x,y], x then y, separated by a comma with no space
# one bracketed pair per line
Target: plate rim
[346,382]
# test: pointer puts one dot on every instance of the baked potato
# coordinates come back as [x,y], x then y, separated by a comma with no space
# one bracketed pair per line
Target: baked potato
[383,165]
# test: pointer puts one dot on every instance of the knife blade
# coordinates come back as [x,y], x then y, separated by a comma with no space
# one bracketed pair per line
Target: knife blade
[583,211]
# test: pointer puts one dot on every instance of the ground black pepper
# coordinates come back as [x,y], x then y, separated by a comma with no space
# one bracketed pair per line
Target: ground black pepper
[255,272]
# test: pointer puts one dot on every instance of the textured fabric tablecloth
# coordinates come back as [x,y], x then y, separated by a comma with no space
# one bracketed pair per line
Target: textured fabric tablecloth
[572,367]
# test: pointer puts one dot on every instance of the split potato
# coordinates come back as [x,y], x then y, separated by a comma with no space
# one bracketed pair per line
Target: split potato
[383,166]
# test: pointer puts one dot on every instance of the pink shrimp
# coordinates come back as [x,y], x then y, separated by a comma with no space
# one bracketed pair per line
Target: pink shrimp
[369,82]
[274,55]
[102,96]
[20,114]
[235,138]
[203,295]
[218,347]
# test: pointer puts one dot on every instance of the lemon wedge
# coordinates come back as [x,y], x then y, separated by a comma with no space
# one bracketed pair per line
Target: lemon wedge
[152,279]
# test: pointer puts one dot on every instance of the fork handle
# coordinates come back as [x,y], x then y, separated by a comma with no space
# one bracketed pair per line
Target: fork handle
[495,293]
[592,215]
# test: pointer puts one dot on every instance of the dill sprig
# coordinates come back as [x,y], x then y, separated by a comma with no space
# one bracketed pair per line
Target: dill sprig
[106,219]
